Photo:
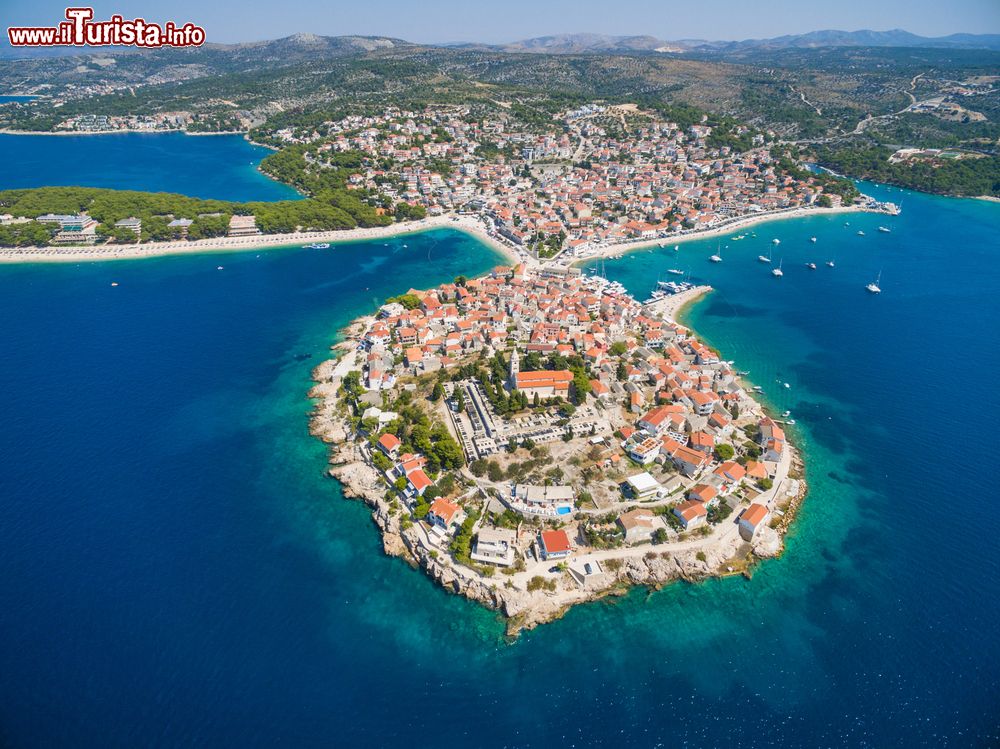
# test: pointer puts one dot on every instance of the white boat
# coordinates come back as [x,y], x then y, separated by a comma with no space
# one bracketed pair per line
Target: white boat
[811,266]
[318,246]
[873,287]
[787,385]
[676,247]
[786,414]
[775,241]
[765,258]
[812,239]
[790,422]
[777,272]
[884,229]
[829,264]
[758,389]
[860,233]
[717,257]
[219,268]
[675,272]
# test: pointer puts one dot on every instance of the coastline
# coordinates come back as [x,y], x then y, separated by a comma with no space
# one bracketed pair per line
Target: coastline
[721,553]
[122,131]
[743,222]
[244,244]
[467,224]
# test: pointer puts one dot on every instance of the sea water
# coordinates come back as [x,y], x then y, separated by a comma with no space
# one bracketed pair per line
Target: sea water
[178,570]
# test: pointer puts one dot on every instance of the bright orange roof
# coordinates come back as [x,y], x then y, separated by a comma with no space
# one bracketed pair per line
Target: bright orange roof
[754,514]
[389,441]
[555,541]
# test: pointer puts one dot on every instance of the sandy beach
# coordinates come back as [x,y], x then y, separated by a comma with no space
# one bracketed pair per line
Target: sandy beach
[465,224]
[743,222]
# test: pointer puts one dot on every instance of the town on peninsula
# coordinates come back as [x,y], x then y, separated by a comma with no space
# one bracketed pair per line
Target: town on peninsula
[537,438]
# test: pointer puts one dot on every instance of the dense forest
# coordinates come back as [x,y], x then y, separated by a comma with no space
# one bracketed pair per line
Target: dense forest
[329,209]
[943,176]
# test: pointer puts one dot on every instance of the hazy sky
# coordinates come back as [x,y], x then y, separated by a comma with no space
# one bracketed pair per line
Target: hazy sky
[465,20]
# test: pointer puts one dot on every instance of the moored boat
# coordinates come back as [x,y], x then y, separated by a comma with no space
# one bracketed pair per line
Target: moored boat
[874,286]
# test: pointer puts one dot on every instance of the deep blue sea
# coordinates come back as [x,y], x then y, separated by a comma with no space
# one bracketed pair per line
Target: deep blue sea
[177,571]
[205,166]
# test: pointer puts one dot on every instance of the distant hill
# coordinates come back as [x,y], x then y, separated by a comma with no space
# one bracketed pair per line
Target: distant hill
[866,38]
[304,47]
[289,49]
[591,43]
[567,44]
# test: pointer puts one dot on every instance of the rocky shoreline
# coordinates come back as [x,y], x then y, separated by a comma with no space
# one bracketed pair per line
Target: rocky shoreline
[523,609]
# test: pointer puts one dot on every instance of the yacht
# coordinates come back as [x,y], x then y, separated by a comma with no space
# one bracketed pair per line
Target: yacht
[884,229]
[717,257]
[765,258]
[775,241]
[812,239]
[675,272]
[860,233]
[786,414]
[777,272]
[672,287]
[873,287]
[829,264]
[811,266]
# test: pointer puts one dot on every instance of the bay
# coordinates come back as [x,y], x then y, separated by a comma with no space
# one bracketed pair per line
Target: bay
[223,167]
[179,571]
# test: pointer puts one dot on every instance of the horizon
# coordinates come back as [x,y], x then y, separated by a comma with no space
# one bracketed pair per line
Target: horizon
[451,22]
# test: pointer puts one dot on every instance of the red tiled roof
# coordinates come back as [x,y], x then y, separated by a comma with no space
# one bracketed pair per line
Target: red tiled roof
[555,541]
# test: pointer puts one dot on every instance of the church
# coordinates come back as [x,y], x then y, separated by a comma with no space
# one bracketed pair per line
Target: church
[544,383]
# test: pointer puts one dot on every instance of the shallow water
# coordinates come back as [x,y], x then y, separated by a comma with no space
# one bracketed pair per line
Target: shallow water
[177,570]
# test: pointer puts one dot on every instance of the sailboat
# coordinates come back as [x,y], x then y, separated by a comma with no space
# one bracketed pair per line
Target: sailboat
[717,257]
[884,229]
[873,287]
[765,258]
[777,272]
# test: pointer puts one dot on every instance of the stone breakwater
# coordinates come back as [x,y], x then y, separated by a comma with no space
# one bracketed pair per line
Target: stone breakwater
[523,609]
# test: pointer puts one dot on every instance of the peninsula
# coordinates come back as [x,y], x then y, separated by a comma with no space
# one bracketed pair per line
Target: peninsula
[537,438]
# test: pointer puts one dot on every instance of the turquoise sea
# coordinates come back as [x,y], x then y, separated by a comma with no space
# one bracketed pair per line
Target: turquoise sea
[177,571]
[204,166]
